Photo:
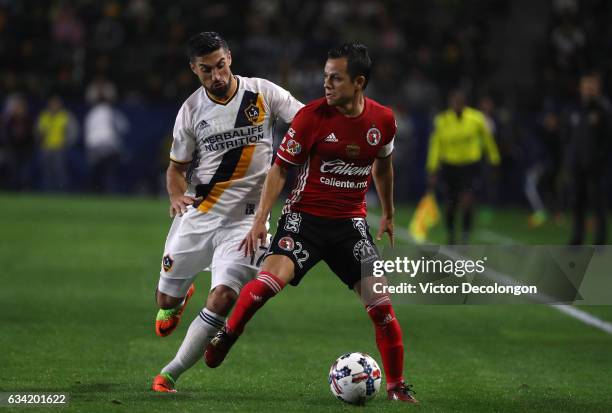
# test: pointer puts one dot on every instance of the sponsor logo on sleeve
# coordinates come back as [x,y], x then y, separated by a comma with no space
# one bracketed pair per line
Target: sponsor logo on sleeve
[293,147]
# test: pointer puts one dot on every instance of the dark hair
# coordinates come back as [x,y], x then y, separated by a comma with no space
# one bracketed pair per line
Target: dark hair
[205,43]
[357,57]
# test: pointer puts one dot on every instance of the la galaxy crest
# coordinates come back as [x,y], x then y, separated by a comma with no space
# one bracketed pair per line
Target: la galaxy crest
[251,112]
[167,263]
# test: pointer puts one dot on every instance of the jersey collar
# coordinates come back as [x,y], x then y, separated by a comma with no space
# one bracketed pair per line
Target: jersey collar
[218,102]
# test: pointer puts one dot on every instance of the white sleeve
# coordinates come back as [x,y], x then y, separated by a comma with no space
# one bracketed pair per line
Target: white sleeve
[386,150]
[183,142]
[281,103]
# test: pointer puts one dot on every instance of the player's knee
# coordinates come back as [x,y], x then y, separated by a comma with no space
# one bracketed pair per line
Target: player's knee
[281,266]
[166,302]
[221,299]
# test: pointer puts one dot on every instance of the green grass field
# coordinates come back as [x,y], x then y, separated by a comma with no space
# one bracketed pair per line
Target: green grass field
[77,294]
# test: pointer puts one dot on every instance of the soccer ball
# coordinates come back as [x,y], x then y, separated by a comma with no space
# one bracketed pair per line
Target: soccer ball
[354,378]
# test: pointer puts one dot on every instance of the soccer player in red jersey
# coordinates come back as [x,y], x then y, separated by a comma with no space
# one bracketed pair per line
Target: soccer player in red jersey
[340,143]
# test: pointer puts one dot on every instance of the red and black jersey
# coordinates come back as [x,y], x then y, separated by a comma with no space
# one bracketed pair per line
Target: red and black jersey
[335,154]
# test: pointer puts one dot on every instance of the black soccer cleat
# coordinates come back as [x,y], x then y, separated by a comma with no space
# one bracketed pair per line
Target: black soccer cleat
[219,346]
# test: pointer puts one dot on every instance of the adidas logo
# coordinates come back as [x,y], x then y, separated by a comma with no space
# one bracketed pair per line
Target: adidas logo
[387,320]
[256,297]
[203,124]
[331,138]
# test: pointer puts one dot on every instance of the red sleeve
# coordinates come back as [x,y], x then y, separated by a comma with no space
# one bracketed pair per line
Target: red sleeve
[297,141]
[391,128]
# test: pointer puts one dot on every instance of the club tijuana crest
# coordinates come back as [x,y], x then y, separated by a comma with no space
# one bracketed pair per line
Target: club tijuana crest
[286,243]
[373,136]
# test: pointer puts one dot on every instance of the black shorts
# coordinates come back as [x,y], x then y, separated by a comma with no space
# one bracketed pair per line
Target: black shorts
[456,179]
[344,244]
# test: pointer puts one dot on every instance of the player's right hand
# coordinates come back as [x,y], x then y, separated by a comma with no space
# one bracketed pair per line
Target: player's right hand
[179,204]
[255,237]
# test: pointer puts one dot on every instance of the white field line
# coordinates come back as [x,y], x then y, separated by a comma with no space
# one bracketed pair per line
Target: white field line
[583,316]
[568,310]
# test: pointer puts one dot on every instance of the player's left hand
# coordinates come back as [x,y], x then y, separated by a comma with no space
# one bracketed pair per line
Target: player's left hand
[255,237]
[386,225]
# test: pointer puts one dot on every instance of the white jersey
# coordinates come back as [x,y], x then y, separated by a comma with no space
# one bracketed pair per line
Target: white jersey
[229,145]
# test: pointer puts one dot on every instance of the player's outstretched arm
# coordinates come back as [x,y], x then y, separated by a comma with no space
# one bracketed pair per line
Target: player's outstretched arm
[275,181]
[382,173]
[176,186]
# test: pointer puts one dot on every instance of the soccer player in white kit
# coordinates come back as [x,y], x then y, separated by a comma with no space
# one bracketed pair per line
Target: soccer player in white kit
[221,152]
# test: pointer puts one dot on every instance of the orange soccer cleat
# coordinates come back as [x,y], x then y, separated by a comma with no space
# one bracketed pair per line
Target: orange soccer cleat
[163,383]
[167,320]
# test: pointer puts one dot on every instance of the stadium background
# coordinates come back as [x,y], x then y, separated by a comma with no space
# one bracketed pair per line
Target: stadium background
[525,56]
[79,270]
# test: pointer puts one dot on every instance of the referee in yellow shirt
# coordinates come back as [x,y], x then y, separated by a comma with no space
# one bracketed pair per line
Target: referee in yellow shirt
[460,138]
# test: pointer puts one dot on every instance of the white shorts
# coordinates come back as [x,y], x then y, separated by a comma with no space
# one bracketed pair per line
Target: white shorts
[198,241]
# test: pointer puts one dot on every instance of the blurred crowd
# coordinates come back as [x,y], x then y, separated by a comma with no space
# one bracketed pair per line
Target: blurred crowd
[64,46]
[90,87]
[39,148]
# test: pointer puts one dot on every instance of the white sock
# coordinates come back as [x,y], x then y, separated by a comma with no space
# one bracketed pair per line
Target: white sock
[202,329]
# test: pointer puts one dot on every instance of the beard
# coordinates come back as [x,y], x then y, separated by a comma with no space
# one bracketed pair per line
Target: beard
[220,91]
